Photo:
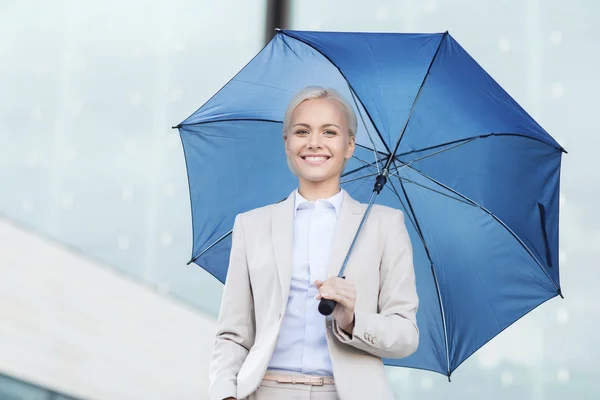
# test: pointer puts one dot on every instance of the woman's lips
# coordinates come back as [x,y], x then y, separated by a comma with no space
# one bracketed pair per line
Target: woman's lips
[315,160]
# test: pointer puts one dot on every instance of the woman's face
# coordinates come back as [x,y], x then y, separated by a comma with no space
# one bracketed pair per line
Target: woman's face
[317,142]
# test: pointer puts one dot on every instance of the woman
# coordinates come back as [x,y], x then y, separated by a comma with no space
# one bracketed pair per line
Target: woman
[271,341]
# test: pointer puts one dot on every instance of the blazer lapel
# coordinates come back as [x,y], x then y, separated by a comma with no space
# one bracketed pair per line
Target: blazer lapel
[282,228]
[350,216]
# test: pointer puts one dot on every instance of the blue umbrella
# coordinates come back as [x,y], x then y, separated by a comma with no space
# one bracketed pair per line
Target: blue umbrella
[476,177]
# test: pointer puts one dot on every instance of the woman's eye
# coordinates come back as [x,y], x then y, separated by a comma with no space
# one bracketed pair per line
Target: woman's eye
[302,132]
[330,133]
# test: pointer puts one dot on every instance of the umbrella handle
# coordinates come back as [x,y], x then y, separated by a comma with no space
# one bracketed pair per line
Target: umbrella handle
[326,306]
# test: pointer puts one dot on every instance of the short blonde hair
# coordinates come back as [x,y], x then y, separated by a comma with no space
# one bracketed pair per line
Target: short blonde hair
[318,92]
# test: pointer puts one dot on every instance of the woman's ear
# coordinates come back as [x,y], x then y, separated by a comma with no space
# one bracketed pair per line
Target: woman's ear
[285,146]
[351,146]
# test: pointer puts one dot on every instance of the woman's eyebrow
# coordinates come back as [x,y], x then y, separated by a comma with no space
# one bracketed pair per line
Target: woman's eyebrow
[308,126]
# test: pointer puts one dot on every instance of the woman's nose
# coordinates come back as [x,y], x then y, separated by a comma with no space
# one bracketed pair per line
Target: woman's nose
[314,141]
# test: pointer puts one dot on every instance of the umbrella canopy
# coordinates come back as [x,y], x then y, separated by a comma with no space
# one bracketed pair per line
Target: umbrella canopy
[476,177]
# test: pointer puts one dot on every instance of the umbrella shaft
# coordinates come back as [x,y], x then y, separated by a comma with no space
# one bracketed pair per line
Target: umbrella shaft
[379,184]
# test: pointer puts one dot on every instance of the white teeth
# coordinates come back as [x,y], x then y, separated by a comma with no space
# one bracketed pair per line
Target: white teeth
[315,159]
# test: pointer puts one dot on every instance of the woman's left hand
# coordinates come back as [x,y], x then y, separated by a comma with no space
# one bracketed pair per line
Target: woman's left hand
[344,293]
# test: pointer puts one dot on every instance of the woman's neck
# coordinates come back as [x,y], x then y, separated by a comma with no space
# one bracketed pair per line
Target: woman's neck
[312,191]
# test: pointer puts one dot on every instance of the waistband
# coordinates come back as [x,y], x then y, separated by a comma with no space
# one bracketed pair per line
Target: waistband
[286,377]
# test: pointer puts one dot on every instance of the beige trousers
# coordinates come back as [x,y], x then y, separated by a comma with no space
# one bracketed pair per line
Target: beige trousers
[270,390]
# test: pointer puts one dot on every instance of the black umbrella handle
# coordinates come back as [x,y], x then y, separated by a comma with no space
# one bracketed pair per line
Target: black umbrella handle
[326,306]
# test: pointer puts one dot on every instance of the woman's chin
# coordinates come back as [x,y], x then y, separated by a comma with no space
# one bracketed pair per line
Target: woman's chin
[318,178]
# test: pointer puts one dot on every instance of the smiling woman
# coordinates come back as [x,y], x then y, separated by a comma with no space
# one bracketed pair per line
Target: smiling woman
[319,133]
[283,261]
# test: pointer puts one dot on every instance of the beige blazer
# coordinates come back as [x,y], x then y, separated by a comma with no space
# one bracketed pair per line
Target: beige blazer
[257,287]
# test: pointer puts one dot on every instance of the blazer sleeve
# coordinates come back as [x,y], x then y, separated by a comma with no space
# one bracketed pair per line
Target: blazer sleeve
[236,322]
[392,332]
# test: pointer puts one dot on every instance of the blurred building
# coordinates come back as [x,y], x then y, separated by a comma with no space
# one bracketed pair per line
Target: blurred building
[73,328]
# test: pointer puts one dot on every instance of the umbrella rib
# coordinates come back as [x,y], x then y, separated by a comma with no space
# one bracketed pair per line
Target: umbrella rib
[367,148]
[410,216]
[364,124]
[412,108]
[429,155]
[357,188]
[434,147]
[219,240]
[433,190]
[347,81]
[470,139]
[519,240]
[360,177]
[437,152]
[355,170]
[435,279]
[367,165]
[523,136]
[223,87]
[228,120]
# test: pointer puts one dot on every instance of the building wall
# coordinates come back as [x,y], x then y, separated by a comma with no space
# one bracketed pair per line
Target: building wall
[75,326]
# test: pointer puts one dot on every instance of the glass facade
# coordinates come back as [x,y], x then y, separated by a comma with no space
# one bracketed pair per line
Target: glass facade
[14,389]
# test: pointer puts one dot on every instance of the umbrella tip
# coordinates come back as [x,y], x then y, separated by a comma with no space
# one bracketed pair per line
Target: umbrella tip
[176,126]
[560,294]
[449,380]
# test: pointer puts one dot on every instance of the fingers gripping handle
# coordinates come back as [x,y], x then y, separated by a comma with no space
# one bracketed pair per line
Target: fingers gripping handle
[326,306]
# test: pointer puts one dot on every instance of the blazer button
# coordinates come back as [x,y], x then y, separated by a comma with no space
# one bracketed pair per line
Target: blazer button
[366,336]
[373,340]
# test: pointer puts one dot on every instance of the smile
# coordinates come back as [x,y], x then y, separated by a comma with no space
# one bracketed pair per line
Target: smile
[315,160]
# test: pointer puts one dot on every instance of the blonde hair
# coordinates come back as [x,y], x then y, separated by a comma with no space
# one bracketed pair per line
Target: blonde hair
[314,93]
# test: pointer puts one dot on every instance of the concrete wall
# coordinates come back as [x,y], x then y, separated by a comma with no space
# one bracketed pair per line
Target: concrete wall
[81,328]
